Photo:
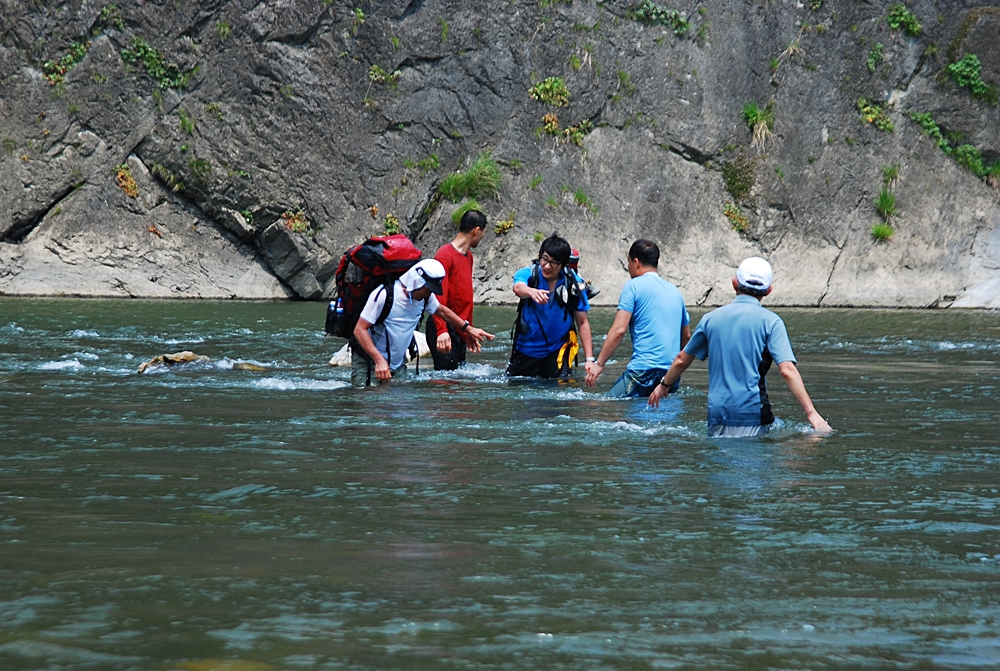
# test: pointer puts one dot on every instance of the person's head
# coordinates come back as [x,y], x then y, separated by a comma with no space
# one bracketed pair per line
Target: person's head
[753,277]
[423,279]
[473,224]
[553,256]
[643,256]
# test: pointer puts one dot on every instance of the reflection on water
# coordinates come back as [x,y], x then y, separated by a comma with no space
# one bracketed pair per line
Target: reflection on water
[209,517]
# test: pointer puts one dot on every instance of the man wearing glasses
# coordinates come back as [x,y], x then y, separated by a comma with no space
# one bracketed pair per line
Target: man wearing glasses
[551,316]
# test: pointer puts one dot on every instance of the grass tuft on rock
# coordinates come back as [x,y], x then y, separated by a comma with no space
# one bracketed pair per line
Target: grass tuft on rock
[481,180]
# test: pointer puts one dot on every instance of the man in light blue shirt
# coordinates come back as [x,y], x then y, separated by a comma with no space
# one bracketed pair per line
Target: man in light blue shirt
[652,311]
[741,341]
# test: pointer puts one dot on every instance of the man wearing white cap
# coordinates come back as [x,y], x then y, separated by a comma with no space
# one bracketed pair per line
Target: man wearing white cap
[385,336]
[741,341]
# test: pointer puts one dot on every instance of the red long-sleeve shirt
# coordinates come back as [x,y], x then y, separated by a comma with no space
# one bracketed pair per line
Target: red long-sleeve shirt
[457,287]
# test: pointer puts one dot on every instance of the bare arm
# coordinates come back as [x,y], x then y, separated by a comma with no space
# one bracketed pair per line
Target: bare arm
[677,368]
[583,328]
[615,334]
[685,335]
[362,333]
[790,374]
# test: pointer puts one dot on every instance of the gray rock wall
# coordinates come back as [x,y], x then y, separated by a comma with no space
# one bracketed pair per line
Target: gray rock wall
[281,121]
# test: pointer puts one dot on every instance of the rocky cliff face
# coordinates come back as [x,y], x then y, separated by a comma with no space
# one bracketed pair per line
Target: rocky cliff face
[235,148]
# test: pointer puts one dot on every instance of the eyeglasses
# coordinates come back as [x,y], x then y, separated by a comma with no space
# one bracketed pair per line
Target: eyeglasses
[548,261]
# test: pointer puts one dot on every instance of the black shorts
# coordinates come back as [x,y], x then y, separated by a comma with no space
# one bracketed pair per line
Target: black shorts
[522,365]
[445,360]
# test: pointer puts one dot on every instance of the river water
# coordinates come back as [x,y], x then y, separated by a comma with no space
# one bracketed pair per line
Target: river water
[212,518]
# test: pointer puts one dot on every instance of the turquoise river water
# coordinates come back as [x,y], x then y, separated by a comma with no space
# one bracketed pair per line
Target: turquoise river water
[209,518]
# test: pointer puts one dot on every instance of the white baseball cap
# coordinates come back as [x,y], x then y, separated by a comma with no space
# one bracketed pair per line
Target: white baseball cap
[428,272]
[754,274]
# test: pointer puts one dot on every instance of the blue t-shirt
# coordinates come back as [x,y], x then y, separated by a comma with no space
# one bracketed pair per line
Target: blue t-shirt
[658,314]
[544,327]
[741,340]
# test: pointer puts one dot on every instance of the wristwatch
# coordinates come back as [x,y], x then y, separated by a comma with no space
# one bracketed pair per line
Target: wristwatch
[465,326]
[663,382]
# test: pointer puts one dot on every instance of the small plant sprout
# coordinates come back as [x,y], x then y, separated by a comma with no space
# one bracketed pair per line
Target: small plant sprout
[760,121]
[391,225]
[551,92]
[575,134]
[169,178]
[885,203]
[395,42]
[900,18]
[125,181]
[535,181]
[504,225]
[186,123]
[538,236]
[379,76]
[550,122]
[736,218]
[223,29]
[295,220]
[890,175]
[167,75]
[444,29]
[882,232]
[653,14]
[54,72]
[358,21]
[874,57]
[966,73]
[552,202]
[373,210]
[583,200]
[515,165]
[875,114]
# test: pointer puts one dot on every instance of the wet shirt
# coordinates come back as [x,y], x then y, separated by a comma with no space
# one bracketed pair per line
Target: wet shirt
[400,323]
[544,327]
[658,314]
[741,340]
[457,286]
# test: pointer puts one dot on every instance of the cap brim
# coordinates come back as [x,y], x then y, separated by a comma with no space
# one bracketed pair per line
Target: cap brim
[434,284]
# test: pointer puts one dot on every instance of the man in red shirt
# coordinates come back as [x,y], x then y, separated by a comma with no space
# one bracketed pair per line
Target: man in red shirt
[448,345]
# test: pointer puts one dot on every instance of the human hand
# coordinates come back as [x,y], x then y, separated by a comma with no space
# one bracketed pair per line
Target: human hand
[540,296]
[476,336]
[819,424]
[382,372]
[444,342]
[594,371]
[659,392]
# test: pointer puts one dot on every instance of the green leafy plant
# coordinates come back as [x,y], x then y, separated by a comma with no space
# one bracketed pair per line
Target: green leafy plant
[223,29]
[200,169]
[890,175]
[216,109]
[165,74]
[966,73]
[625,82]
[736,218]
[538,236]
[575,134]
[169,178]
[552,202]
[394,41]
[703,31]
[551,91]
[247,216]
[187,124]
[653,14]
[970,158]
[535,181]
[885,203]
[900,18]
[357,21]
[379,76]
[504,225]
[444,29]
[425,165]
[9,145]
[779,172]
[125,180]
[874,57]
[760,121]
[738,175]
[112,16]
[931,129]
[550,123]
[882,232]
[295,220]
[54,72]
[815,4]
[875,114]
[583,200]
[481,180]
[391,225]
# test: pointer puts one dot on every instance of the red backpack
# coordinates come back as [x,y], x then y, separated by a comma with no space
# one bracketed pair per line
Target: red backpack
[377,262]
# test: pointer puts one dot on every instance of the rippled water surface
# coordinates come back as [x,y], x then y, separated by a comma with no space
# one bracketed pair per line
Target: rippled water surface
[209,517]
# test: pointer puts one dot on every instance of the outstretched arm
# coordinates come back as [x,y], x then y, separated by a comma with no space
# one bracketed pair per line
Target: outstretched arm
[614,338]
[790,374]
[677,368]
